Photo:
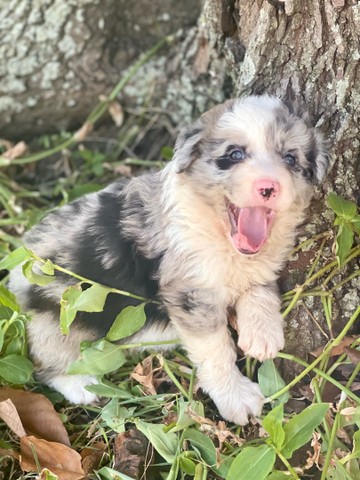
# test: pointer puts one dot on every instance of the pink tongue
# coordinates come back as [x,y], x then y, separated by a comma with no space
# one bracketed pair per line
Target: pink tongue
[252,229]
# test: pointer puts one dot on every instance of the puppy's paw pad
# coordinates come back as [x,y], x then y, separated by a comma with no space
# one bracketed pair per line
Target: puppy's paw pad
[73,388]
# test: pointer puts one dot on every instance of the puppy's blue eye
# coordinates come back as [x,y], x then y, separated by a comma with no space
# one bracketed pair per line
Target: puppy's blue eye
[290,159]
[237,155]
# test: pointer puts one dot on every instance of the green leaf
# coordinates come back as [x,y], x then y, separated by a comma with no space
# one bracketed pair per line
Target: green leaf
[343,208]
[108,389]
[92,299]
[67,310]
[344,241]
[128,322]
[16,369]
[187,465]
[8,299]
[166,444]
[36,278]
[206,448]
[46,474]
[14,258]
[167,152]
[299,429]
[48,268]
[115,416]
[355,223]
[102,357]
[107,473]
[270,381]
[184,419]
[252,463]
[273,425]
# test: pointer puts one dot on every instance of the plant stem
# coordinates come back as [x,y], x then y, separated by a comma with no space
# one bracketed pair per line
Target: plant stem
[326,351]
[174,379]
[287,465]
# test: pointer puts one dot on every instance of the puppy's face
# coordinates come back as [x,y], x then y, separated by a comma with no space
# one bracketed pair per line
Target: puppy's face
[255,162]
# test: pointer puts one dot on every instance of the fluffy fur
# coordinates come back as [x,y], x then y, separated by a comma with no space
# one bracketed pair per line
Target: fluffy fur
[186,236]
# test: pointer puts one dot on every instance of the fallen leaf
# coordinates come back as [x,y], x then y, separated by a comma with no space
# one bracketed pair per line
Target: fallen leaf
[116,113]
[92,456]
[315,457]
[16,151]
[11,417]
[338,349]
[37,415]
[130,452]
[144,374]
[60,459]
[83,131]
[353,354]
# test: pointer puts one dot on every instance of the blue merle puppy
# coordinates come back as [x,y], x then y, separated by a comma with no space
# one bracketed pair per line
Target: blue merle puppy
[209,232]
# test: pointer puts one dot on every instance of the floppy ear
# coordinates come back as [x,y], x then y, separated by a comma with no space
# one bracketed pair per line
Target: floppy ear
[188,146]
[323,158]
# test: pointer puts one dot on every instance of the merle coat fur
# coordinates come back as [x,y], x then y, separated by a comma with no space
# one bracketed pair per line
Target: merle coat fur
[209,232]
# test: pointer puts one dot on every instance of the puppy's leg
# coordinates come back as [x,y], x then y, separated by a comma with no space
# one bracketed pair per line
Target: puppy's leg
[52,353]
[204,334]
[260,324]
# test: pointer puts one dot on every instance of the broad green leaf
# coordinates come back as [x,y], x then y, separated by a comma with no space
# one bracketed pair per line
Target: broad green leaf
[184,419]
[167,152]
[48,268]
[273,424]
[8,299]
[92,299]
[67,310]
[14,258]
[16,369]
[207,451]
[166,444]
[355,223]
[270,381]
[187,465]
[36,278]
[343,208]
[252,463]
[300,428]
[344,241]
[115,416]
[102,357]
[129,321]
[107,473]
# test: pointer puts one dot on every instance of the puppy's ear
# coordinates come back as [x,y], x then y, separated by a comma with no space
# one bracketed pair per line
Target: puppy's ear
[188,146]
[323,158]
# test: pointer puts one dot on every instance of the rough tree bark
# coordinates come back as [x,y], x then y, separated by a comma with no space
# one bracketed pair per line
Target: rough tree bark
[57,57]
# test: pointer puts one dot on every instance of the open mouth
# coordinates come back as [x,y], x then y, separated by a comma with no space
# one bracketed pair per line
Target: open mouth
[250,226]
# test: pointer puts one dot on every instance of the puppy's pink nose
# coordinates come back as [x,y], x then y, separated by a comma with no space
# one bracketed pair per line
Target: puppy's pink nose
[266,189]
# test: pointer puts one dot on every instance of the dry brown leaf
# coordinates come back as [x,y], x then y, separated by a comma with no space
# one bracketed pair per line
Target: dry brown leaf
[83,131]
[144,374]
[92,456]
[338,349]
[315,457]
[130,451]
[16,151]
[37,415]
[60,459]
[11,417]
[353,354]
[116,113]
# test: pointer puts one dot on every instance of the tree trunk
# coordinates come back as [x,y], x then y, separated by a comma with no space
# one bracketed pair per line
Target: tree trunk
[57,57]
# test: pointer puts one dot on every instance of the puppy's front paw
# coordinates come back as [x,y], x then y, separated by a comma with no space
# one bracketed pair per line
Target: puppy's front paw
[262,344]
[73,388]
[240,401]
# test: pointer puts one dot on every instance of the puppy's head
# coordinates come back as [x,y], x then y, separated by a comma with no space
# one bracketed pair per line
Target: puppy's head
[256,162]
